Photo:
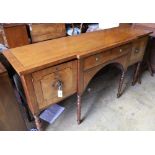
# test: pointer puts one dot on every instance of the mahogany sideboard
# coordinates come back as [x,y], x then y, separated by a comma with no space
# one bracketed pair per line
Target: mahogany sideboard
[10,114]
[52,70]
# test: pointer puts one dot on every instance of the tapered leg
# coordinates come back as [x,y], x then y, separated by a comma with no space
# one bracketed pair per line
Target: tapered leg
[78,109]
[149,67]
[38,122]
[136,74]
[138,78]
[121,84]
[28,114]
[139,75]
[26,110]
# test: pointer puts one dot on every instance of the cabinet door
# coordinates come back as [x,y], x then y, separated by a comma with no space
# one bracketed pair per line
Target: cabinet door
[138,49]
[47,83]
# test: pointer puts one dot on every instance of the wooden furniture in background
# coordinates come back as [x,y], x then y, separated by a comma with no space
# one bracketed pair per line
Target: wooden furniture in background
[1,37]
[69,63]
[151,45]
[125,24]
[146,26]
[42,32]
[14,35]
[10,115]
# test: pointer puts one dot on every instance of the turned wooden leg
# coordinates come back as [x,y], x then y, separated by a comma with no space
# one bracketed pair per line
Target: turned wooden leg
[38,122]
[139,75]
[28,114]
[121,84]
[136,75]
[78,109]
[149,67]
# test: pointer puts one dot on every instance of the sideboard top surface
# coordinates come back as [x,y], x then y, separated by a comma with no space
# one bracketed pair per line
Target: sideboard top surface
[36,56]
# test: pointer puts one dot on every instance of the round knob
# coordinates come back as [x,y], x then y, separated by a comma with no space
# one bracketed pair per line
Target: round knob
[137,50]
[97,58]
[120,50]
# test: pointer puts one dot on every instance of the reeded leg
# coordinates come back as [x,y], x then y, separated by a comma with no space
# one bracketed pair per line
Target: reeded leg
[38,122]
[149,67]
[78,109]
[139,76]
[139,80]
[120,84]
[28,114]
[136,74]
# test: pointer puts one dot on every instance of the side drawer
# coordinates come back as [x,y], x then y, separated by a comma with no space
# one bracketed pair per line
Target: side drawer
[46,83]
[138,49]
[106,56]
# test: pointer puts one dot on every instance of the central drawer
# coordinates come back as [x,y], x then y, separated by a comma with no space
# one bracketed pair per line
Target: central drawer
[106,56]
[49,81]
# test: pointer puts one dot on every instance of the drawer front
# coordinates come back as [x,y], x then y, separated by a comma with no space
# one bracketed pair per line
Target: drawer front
[47,83]
[121,50]
[138,49]
[96,60]
[106,56]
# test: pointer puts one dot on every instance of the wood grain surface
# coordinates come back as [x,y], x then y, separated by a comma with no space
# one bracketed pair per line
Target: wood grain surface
[37,56]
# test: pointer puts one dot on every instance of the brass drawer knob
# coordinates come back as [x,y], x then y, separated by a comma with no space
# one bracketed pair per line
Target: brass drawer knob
[97,58]
[120,50]
[136,50]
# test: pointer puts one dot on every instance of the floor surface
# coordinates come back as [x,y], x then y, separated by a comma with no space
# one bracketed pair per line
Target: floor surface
[102,110]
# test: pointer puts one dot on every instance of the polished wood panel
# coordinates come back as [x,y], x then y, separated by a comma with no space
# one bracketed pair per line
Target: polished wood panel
[10,114]
[42,32]
[16,35]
